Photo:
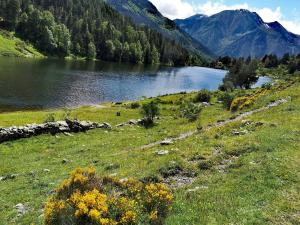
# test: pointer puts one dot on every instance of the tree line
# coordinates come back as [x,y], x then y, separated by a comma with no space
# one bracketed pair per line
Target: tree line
[90,29]
[242,73]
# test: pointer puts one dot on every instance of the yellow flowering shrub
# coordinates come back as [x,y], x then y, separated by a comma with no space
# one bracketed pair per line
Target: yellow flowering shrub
[86,199]
[243,102]
[237,103]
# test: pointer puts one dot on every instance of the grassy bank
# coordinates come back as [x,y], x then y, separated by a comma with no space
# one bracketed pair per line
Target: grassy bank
[252,178]
[13,46]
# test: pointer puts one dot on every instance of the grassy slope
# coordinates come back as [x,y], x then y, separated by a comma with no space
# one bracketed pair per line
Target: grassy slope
[261,186]
[12,46]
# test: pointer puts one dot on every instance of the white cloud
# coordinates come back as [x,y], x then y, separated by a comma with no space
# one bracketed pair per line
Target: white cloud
[182,9]
[174,8]
[209,8]
[268,15]
[293,26]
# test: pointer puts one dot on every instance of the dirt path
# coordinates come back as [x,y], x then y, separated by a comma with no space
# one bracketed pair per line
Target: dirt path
[216,125]
[191,133]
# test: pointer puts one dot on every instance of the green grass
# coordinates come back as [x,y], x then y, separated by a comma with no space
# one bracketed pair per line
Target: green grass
[261,186]
[13,46]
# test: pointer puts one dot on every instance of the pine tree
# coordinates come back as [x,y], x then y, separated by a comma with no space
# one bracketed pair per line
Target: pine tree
[91,51]
[154,55]
[12,14]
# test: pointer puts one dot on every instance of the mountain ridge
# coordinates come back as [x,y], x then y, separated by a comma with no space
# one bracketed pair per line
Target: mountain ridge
[143,12]
[240,33]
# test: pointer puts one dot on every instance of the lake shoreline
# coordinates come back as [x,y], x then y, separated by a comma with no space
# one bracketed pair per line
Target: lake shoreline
[53,84]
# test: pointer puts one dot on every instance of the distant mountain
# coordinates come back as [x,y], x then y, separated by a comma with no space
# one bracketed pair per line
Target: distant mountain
[240,33]
[143,12]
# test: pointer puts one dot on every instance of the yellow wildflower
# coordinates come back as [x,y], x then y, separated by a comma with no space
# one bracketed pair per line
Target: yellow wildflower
[94,214]
[61,205]
[49,209]
[104,221]
[91,171]
[153,215]
[128,217]
[80,178]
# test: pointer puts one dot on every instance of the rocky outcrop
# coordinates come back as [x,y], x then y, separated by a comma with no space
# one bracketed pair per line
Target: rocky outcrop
[141,122]
[67,126]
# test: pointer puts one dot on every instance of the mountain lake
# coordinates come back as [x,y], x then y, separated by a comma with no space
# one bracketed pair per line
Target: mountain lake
[50,83]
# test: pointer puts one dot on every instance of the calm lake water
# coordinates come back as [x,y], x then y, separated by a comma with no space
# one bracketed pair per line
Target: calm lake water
[27,83]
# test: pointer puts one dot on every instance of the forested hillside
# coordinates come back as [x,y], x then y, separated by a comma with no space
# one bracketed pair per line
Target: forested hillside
[91,29]
[143,12]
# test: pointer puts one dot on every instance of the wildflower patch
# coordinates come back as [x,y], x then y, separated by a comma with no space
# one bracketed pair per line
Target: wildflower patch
[87,199]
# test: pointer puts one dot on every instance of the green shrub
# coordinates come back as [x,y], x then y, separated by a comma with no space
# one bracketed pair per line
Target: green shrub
[135,105]
[267,86]
[226,99]
[190,110]
[150,111]
[226,86]
[203,96]
[86,199]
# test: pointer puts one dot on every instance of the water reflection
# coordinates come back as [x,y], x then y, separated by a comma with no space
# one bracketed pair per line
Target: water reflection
[26,83]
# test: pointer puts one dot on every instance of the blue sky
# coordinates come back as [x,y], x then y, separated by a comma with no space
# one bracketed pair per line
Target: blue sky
[287,12]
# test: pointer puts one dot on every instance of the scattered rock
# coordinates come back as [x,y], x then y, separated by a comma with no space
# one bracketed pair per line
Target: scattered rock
[167,142]
[205,104]
[68,134]
[46,170]
[132,122]
[258,124]
[244,132]
[121,125]
[237,133]
[178,181]
[246,122]
[193,190]
[105,126]
[21,209]
[113,175]
[162,152]
[9,177]
[64,161]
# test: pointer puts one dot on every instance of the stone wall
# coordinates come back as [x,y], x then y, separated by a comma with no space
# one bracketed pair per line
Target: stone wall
[67,126]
